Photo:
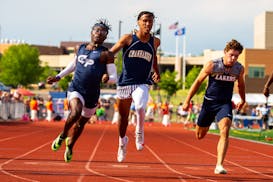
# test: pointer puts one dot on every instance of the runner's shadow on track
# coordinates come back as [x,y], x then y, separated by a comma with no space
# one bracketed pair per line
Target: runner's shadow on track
[88,174]
[114,162]
[154,163]
[13,123]
[138,176]
[232,178]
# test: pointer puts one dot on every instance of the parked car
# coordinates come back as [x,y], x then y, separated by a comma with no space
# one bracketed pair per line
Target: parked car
[4,87]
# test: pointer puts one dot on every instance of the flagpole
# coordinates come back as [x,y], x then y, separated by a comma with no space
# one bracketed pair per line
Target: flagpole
[177,61]
[184,61]
[119,29]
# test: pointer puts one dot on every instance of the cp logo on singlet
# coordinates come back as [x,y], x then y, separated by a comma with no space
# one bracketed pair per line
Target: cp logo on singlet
[83,60]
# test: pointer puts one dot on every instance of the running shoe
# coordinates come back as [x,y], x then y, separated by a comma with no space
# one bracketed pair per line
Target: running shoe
[68,151]
[56,144]
[139,141]
[219,169]
[122,149]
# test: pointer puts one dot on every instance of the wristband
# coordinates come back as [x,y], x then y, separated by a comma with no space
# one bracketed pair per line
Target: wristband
[57,77]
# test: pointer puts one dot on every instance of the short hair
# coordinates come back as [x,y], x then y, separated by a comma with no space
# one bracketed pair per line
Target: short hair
[102,23]
[145,13]
[235,45]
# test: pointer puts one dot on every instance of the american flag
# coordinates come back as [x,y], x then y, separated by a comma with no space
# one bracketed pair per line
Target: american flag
[173,26]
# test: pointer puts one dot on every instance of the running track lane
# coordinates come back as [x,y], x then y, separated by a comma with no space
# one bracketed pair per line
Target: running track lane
[170,154]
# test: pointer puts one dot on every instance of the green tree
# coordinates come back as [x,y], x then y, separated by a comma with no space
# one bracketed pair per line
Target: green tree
[20,65]
[46,71]
[168,83]
[190,78]
[63,83]
[118,62]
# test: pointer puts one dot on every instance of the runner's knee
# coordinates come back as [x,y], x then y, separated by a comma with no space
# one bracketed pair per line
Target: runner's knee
[201,132]
[200,135]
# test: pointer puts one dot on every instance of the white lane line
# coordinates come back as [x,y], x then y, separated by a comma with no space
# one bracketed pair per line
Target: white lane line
[18,157]
[120,166]
[252,151]
[18,136]
[45,163]
[87,165]
[173,170]
[234,163]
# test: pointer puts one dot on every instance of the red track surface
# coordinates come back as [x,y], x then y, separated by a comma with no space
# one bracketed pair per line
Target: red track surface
[170,154]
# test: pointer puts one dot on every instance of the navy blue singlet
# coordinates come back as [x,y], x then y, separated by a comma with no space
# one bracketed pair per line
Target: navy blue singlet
[217,100]
[88,74]
[137,63]
[221,81]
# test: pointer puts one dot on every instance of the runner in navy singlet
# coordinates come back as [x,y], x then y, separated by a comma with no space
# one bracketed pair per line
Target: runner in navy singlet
[217,105]
[91,62]
[139,60]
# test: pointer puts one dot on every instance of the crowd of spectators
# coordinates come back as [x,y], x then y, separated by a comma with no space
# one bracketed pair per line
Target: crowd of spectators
[13,105]
[251,116]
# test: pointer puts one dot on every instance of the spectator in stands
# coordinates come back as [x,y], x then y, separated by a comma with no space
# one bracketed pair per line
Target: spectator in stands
[100,112]
[181,114]
[49,109]
[66,108]
[151,109]
[105,103]
[165,114]
[33,109]
[265,111]
[26,116]
[41,108]
[116,113]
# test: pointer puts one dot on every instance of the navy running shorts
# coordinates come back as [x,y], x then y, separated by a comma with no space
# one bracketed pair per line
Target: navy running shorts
[214,111]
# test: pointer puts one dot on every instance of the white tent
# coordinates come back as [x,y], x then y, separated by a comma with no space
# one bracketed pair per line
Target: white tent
[253,98]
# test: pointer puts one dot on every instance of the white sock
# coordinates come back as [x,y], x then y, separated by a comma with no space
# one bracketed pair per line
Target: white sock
[122,140]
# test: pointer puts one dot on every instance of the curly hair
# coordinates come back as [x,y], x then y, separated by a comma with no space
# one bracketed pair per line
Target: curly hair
[103,23]
[235,45]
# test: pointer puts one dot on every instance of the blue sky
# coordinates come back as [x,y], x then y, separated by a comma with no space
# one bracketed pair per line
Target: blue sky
[209,23]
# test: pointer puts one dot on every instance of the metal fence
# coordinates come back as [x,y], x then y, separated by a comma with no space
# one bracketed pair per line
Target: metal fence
[12,110]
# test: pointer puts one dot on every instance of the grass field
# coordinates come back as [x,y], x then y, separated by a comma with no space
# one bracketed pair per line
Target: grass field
[265,136]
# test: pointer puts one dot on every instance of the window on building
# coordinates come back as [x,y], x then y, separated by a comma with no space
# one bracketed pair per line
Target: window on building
[255,72]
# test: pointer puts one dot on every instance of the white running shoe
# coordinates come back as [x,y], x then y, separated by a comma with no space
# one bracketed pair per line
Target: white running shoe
[219,169]
[139,141]
[122,149]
